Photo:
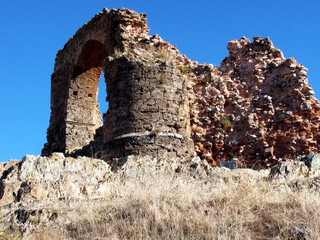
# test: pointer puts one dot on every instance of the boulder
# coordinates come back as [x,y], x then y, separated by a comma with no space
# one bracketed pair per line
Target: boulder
[301,166]
[312,160]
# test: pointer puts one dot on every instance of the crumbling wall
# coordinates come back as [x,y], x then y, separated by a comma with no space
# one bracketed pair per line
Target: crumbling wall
[257,108]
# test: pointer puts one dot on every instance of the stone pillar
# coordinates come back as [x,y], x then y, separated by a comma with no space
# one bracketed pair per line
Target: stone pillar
[56,133]
[148,109]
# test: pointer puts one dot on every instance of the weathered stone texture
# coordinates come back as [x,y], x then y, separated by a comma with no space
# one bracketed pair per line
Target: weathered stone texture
[257,107]
[53,178]
[148,109]
[148,102]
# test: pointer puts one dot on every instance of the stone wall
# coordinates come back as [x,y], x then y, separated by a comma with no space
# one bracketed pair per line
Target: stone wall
[148,109]
[257,108]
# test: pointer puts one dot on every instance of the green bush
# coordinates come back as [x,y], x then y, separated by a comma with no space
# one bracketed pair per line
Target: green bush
[156,132]
[182,101]
[226,123]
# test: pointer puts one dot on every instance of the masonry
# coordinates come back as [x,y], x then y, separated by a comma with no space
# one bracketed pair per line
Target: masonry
[148,110]
[256,107]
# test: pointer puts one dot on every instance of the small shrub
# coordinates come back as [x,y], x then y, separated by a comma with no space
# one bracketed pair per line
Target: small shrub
[163,54]
[260,126]
[226,123]
[156,132]
[160,55]
[185,69]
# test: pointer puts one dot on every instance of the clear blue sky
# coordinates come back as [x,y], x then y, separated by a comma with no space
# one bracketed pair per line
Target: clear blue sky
[31,33]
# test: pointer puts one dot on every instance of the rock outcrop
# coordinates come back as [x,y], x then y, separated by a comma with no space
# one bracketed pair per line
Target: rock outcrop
[53,178]
[40,196]
[44,180]
[301,166]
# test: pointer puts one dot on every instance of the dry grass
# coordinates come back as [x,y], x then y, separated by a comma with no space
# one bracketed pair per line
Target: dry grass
[178,207]
[163,53]
[6,236]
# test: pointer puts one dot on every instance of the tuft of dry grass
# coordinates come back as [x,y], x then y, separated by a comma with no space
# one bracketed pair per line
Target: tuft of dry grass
[163,53]
[185,69]
[165,206]
[7,236]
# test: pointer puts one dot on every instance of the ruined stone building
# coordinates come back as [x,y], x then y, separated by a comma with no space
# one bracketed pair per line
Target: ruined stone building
[256,107]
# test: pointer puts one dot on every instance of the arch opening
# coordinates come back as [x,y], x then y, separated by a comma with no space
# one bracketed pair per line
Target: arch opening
[102,95]
[83,115]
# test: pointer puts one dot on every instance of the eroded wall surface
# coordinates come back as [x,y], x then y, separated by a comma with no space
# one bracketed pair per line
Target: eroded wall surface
[74,83]
[256,107]
[148,109]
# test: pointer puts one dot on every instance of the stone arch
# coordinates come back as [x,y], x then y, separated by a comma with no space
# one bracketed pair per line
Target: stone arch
[72,62]
[148,101]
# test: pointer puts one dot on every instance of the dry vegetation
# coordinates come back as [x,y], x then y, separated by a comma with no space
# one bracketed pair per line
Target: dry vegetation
[162,206]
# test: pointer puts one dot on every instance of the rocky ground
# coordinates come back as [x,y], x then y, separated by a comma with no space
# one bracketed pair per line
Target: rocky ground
[60,197]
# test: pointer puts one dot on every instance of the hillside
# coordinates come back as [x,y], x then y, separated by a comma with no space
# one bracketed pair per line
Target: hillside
[149,198]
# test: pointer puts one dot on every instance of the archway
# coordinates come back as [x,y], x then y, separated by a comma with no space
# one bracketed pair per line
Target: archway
[148,103]
[83,117]
[102,95]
